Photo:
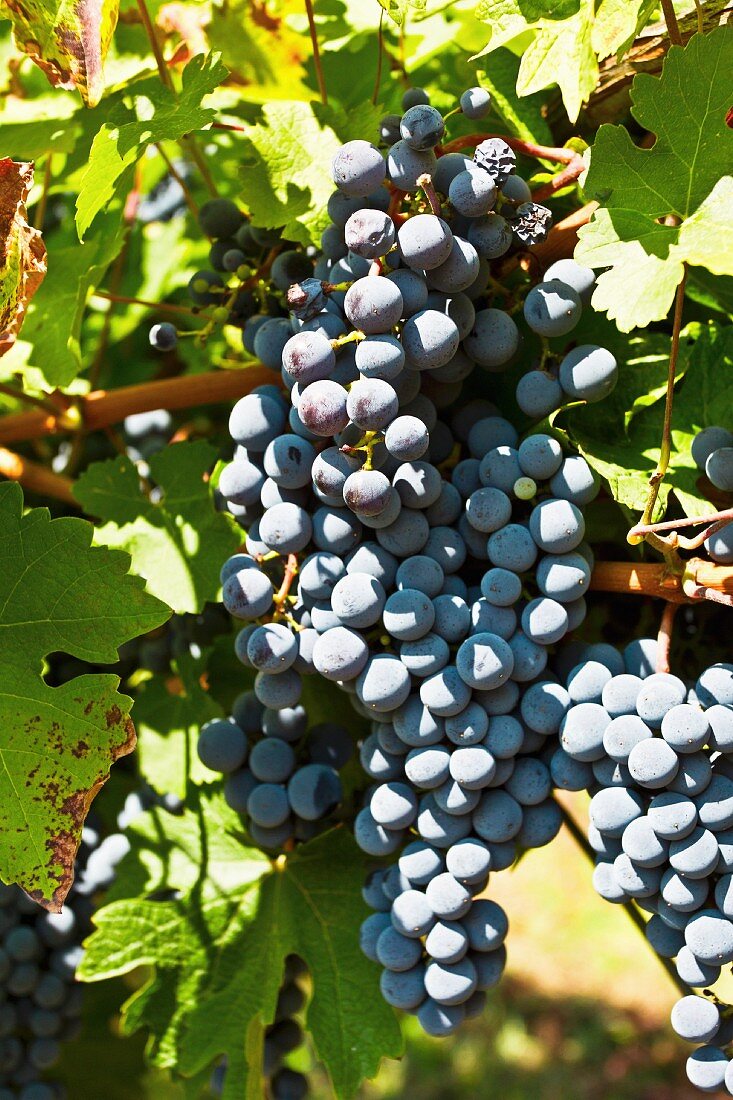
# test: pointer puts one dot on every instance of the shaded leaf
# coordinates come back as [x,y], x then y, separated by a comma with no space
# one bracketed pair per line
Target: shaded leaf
[57,592]
[178,544]
[219,955]
[22,251]
[67,39]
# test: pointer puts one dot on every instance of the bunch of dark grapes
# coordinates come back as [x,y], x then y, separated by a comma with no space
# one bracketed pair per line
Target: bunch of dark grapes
[41,1001]
[281,776]
[656,755]
[403,542]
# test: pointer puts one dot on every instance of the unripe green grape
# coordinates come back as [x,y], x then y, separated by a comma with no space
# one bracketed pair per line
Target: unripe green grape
[525,488]
[220,314]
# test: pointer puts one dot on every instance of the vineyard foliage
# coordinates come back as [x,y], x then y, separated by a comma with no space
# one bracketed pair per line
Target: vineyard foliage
[98,128]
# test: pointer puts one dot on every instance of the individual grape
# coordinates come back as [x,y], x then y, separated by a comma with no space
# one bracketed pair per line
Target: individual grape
[515,190]
[706,1068]
[490,235]
[286,528]
[384,683]
[475,103]
[270,341]
[552,309]
[407,535]
[247,594]
[268,805]
[693,972]
[279,691]
[406,165]
[389,130]
[380,356]
[496,158]
[314,791]
[163,336]
[588,373]
[498,817]
[472,193]
[707,441]
[709,935]
[489,432]
[450,983]
[420,863]
[446,942]
[425,241]
[447,168]
[581,279]
[425,656]
[494,339]
[438,827]
[358,168]
[719,468]
[205,288]
[372,404]
[241,482]
[696,855]
[256,420]
[715,685]
[323,408]
[686,728]
[397,952]
[653,763]
[422,127]
[272,760]
[373,304]
[564,577]
[501,587]
[288,461]
[430,340]
[623,734]
[308,357]
[458,271]
[403,990]
[290,267]
[532,222]
[272,647]
[544,620]
[367,492]
[412,915]
[484,661]
[557,526]
[538,394]
[220,218]
[513,548]
[413,96]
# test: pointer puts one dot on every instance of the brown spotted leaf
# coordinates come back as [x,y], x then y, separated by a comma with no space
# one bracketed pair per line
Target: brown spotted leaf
[67,39]
[58,594]
[22,252]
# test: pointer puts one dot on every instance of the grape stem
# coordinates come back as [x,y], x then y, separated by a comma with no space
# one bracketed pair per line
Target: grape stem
[658,579]
[176,175]
[630,908]
[426,182]
[665,449]
[316,53]
[36,478]
[291,571]
[670,18]
[714,522]
[165,307]
[664,637]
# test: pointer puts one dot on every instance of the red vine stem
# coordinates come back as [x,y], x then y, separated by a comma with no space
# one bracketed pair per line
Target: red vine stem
[529,148]
[316,52]
[291,571]
[664,637]
[656,579]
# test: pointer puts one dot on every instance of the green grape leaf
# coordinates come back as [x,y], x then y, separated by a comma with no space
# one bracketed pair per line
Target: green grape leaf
[561,53]
[120,143]
[169,712]
[524,117]
[177,544]
[556,45]
[67,39]
[22,251]
[219,950]
[399,10]
[58,593]
[706,237]
[677,179]
[54,320]
[617,23]
[286,179]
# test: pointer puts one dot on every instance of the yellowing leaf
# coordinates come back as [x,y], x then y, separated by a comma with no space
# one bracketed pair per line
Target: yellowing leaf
[67,39]
[706,238]
[22,252]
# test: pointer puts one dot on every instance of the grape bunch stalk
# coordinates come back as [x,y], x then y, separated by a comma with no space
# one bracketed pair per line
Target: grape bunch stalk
[405,543]
[656,755]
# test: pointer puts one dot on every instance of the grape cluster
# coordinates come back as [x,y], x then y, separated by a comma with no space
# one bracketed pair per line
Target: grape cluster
[40,1001]
[281,776]
[712,452]
[657,757]
[403,543]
